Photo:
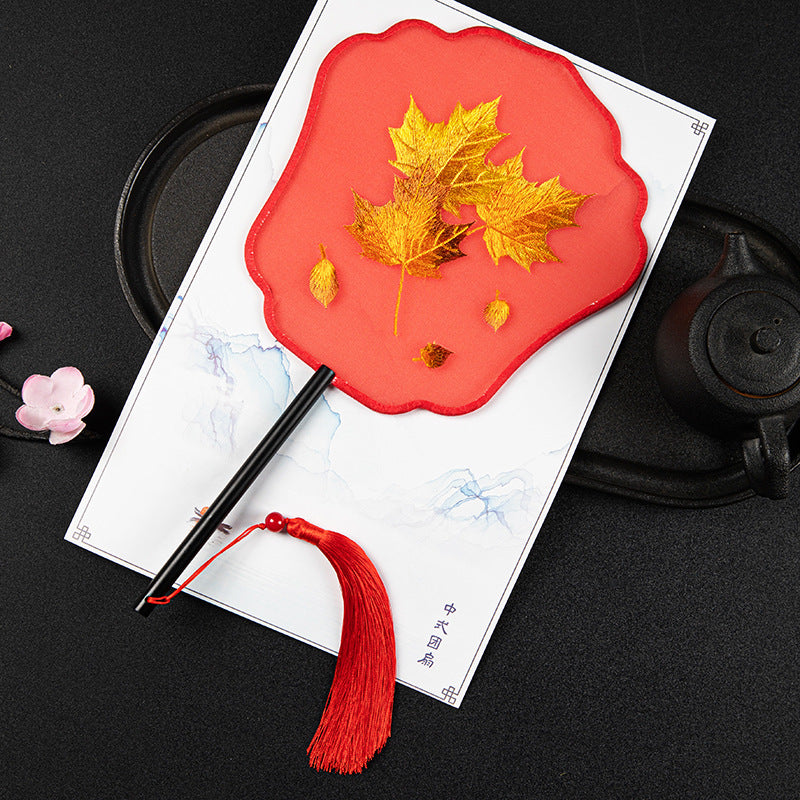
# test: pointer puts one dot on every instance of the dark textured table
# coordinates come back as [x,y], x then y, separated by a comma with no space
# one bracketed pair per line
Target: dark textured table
[646,652]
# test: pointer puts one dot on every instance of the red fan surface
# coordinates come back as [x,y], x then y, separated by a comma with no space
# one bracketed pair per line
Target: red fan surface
[363,88]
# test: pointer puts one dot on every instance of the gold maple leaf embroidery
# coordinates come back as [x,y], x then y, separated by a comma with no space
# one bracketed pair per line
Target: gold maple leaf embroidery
[322,281]
[433,355]
[454,151]
[445,164]
[408,231]
[520,214]
[496,312]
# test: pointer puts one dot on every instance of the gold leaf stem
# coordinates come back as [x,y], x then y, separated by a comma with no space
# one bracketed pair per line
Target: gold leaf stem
[474,230]
[399,293]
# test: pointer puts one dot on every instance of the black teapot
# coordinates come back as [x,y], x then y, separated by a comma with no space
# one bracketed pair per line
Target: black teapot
[728,360]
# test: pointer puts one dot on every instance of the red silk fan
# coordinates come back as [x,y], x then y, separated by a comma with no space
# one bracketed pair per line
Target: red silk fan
[453,202]
[523,153]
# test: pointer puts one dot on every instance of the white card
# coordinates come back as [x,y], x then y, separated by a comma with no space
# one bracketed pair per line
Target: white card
[447,515]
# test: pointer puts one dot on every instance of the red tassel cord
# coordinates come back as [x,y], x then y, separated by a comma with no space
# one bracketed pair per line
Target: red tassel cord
[357,718]
[167,598]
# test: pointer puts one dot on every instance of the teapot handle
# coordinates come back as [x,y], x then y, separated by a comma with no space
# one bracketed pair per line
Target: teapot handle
[766,458]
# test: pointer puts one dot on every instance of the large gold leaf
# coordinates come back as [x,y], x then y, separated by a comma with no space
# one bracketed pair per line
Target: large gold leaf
[520,214]
[408,231]
[454,151]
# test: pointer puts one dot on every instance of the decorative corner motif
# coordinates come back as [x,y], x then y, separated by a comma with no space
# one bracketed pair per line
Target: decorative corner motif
[82,534]
[450,694]
[699,128]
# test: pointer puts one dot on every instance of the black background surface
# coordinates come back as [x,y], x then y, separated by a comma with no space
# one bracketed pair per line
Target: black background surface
[644,653]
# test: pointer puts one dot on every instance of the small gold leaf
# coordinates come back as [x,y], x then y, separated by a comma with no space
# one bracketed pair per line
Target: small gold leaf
[433,355]
[323,283]
[496,312]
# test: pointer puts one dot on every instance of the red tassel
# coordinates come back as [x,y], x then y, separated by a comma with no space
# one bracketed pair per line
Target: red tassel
[357,718]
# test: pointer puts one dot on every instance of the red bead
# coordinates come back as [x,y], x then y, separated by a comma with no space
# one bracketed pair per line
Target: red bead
[275,522]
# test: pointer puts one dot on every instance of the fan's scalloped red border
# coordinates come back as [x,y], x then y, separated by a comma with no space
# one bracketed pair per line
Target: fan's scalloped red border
[283,182]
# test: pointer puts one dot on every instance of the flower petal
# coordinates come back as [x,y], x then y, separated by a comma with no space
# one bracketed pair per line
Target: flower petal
[34,419]
[81,402]
[65,425]
[61,437]
[37,391]
[67,381]
[5,330]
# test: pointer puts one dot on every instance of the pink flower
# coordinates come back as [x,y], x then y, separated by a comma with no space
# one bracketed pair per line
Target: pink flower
[57,404]
[5,330]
